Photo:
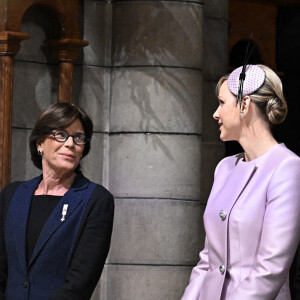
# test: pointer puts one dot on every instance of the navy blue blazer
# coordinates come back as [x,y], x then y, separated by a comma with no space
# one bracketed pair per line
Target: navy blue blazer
[69,255]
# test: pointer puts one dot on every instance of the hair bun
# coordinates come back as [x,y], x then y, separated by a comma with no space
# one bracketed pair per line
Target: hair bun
[276,110]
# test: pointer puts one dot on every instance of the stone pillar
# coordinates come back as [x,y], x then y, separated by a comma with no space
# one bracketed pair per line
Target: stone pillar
[215,42]
[146,83]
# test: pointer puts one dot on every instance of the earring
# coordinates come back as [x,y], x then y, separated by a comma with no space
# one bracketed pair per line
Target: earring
[242,115]
[40,152]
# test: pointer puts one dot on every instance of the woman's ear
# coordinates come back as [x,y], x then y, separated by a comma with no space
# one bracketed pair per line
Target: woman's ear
[39,144]
[245,105]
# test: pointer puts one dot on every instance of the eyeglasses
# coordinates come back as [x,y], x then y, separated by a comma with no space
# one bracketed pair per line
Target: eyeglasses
[62,136]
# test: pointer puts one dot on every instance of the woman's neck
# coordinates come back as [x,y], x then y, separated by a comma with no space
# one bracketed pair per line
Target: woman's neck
[256,140]
[52,184]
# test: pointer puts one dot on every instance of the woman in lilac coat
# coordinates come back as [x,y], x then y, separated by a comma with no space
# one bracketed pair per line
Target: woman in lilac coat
[252,219]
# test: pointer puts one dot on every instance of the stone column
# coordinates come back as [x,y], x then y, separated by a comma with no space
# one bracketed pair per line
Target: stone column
[215,42]
[143,83]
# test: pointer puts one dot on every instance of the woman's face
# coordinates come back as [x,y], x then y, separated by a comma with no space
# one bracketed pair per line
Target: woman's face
[227,114]
[62,157]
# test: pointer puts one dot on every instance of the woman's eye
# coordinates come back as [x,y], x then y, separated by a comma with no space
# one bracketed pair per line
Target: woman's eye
[80,138]
[60,134]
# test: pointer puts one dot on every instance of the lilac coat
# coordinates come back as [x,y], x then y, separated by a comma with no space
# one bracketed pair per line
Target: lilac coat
[252,223]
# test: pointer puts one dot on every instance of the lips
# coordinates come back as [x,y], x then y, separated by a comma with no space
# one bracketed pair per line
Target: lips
[68,156]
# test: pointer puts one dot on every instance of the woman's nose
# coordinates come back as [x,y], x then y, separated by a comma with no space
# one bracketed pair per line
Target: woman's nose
[69,142]
[216,114]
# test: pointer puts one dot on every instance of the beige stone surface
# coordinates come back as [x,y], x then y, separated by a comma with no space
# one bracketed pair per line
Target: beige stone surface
[22,168]
[160,33]
[155,165]
[155,231]
[95,165]
[211,155]
[92,90]
[98,31]
[215,34]
[210,127]
[35,88]
[217,9]
[147,282]
[156,100]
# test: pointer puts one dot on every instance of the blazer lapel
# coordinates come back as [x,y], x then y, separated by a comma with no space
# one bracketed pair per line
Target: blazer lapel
[236,183]
[231,185]
[21,208]
[54,221]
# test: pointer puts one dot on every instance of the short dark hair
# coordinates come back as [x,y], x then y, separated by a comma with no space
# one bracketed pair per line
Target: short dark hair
[58,116]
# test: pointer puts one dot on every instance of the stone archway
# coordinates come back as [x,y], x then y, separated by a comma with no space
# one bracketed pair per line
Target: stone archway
[65,49]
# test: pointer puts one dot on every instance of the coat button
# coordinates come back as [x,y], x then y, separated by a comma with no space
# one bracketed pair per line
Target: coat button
[222,214]
[222,269]
[25,284]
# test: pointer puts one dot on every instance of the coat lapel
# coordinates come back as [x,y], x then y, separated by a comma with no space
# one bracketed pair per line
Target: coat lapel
[72,199]
[237,182]
[21,208]
[230,184]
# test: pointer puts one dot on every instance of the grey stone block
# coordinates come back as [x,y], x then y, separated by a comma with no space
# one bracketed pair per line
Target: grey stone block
[95,165]
[210,127]
[134,282]
[157,33]
[97,292]
[156,100]
[154,165]
[155,231]
[92,89]
[98,31]
[215,48]
[22,168]
[211,155]
[217,9]
[35,88]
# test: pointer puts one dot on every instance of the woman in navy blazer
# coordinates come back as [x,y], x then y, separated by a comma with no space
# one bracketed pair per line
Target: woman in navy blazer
[251,219]
[55,229]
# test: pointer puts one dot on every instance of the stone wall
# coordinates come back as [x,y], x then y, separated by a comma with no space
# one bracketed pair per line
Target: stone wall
[147,80]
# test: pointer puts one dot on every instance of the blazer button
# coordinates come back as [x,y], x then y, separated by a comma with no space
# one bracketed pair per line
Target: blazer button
[222,269]
[222,214]
[25,284]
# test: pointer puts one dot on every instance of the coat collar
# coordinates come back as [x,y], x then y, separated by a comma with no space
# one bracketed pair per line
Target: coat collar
[231,179]
[236,182]
[23,197]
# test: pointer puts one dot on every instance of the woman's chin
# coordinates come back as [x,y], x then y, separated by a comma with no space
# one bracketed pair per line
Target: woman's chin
[67,167]
[223,138]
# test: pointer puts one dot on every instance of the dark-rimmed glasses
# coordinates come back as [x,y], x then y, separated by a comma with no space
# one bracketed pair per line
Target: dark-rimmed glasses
[62,136]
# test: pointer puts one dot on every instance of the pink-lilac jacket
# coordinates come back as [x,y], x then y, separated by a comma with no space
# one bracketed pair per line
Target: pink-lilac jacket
[252,223]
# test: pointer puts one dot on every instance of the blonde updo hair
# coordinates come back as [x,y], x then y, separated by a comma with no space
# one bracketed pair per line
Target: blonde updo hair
[269,97]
